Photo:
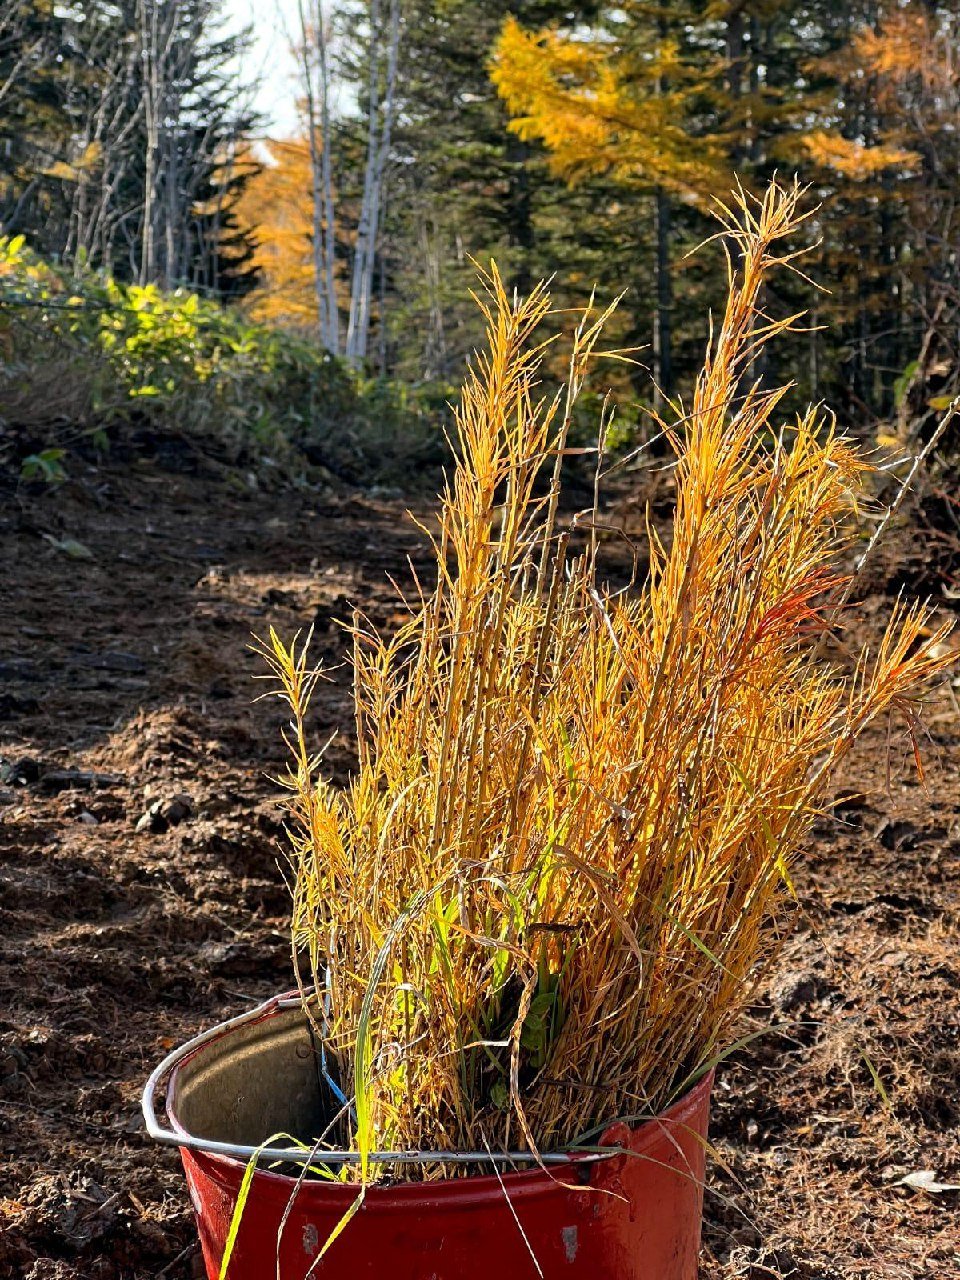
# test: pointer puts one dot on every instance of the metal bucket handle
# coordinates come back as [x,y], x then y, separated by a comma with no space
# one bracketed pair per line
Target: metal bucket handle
[308,1155]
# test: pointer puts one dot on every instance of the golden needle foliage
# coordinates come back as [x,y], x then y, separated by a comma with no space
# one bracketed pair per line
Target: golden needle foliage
[276,206]
[600,109]
[541,901]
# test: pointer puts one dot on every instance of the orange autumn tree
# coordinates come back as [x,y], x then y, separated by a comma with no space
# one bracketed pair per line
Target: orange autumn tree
[277,207]
[888,151]
[895,59]
[854,159]
[626,101]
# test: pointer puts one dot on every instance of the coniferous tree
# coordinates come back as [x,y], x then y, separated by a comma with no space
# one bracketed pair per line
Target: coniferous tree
[886,152]
[278,203]
[635,97]
[462,187]
[37,69]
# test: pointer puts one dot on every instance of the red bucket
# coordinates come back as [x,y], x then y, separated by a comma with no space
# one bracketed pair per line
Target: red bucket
[629,1216]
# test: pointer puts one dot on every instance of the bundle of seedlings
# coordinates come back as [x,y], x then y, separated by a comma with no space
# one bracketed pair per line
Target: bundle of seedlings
[561,865]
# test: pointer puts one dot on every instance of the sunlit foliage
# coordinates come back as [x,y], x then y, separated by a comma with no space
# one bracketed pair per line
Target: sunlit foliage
[276,207]
[601,110]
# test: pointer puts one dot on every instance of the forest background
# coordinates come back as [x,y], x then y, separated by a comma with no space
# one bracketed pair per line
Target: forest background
[325,277]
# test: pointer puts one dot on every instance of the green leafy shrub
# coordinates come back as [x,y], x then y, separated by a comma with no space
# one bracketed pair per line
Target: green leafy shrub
[83,353]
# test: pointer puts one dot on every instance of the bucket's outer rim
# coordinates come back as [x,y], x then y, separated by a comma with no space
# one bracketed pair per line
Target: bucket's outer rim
[230,1155]
[477,1190]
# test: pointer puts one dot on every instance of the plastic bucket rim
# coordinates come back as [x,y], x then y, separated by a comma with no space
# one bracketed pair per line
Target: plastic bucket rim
[224,1168]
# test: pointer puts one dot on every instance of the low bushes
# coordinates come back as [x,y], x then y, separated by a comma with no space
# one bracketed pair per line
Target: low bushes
[85,356]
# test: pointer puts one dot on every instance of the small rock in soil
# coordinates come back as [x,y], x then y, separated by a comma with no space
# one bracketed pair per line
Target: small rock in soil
[178,808]
[153,820]
[165,813]
[20,773]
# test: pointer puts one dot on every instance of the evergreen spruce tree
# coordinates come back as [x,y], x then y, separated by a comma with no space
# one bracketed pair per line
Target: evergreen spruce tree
[463,187]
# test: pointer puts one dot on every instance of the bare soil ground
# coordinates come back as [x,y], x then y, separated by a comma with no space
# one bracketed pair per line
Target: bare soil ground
[141,900]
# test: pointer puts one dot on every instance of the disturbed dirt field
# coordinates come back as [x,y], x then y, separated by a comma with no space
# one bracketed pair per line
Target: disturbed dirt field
[141,899]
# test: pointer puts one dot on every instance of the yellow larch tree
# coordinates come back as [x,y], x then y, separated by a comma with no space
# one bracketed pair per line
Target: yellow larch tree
[627,100]
[608,107]
[277,207]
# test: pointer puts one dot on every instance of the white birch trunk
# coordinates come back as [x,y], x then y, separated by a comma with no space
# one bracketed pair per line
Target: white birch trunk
[157,42]
[376,196]
[333,317]
[149,41]
[369,177]
[307,38]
